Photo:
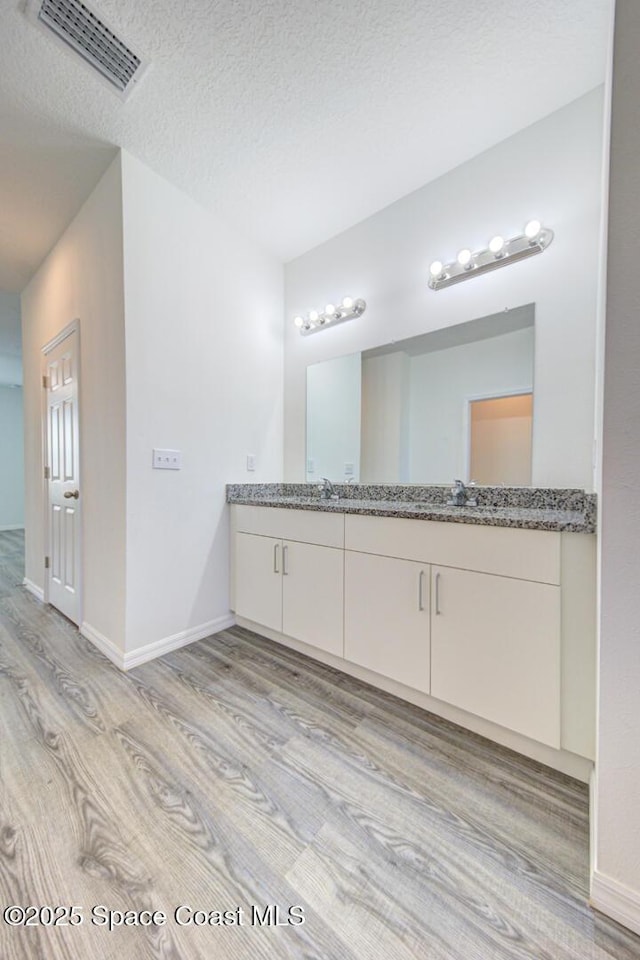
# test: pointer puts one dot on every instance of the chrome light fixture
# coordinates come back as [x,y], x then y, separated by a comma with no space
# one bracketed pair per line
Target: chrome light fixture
[534,239]
[331,315]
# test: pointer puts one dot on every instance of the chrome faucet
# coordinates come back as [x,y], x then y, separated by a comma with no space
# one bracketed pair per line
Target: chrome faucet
[460,496]
[327,490]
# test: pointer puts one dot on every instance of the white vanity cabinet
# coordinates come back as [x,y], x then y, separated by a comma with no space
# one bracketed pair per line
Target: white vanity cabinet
[494,636]
[258,576]
[312,595]
[492,627]
[386,617]
[495,650]
[292,583]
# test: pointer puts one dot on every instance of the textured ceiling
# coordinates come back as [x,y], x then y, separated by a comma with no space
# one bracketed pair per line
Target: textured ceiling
[293,118]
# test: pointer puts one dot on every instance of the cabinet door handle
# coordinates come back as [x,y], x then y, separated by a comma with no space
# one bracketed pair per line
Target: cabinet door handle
[438,610]
[276,550]
[285,561]
[421,591]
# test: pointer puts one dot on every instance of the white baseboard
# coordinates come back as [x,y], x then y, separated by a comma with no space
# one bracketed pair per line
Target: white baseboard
[33,588]
[615,900]
[159,647]
[14,526]
[126,661]
[103,644]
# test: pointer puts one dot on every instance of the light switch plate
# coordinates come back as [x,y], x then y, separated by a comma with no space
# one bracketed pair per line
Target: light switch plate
[311,466]
[167,459]
[251,461]
[349,469]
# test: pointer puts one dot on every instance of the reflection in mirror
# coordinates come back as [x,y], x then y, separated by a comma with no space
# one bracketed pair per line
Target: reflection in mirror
[500,440]
[455,402]
[333,418]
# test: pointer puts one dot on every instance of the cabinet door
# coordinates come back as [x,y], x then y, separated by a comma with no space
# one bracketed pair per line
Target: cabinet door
[386,625]
[312,595]
[259,579]
[495,650]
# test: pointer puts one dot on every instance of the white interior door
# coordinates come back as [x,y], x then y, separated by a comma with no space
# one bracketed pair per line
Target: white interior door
[62,477]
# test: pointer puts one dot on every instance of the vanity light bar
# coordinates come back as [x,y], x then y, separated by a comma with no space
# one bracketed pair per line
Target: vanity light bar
[330,316]
[499,253]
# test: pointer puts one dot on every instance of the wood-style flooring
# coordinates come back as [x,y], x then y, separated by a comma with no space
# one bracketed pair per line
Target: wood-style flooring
[237,774]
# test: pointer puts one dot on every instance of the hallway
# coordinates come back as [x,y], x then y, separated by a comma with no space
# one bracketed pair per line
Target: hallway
[237,774]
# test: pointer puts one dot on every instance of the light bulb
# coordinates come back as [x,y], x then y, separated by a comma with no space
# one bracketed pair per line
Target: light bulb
[313,316]
[329,310]
[299,322]
[464,257]
[347,303]
[435,269]
[532,229]
[496,244]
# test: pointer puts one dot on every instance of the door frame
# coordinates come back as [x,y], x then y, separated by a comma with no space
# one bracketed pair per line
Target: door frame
[466,420]
[60,337]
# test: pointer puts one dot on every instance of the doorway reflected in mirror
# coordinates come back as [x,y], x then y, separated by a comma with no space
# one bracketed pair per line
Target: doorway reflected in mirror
[500,431]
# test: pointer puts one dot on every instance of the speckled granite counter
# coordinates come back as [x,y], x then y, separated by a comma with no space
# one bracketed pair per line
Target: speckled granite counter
[532,508]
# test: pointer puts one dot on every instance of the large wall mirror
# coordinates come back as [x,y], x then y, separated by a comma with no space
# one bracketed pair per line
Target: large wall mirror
[455,402]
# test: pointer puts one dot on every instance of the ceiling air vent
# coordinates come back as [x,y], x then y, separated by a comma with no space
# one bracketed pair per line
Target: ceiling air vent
[80,28]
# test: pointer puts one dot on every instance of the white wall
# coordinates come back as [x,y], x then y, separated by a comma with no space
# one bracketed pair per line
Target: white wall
[442,383]
[11,415]
[10,369]
[11,458]
[82,278]
[550,170]
[333,418]
[385,418]
[10,339]
[616,881]
[199,311]
[204,375]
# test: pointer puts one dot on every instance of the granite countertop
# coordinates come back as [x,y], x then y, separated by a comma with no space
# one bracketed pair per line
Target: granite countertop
[529,508]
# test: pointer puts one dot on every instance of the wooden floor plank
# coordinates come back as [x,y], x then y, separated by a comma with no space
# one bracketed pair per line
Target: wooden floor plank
[235,773]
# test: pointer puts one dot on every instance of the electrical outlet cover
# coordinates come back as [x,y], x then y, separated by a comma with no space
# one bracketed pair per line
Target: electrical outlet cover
[167,459]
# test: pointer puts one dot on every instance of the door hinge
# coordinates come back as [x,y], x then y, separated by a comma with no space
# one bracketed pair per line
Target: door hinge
[46,563]
[45,382]
[47,473]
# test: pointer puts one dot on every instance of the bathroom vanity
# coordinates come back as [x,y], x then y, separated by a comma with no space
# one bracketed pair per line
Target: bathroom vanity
[484,615]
